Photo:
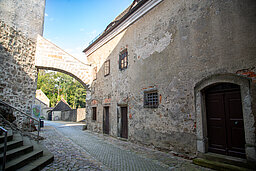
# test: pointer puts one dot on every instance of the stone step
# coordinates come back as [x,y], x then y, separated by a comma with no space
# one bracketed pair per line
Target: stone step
[23,160]
[38,164]
[9,138]
[11,145]
[16,152]
[228,160]
[218,165]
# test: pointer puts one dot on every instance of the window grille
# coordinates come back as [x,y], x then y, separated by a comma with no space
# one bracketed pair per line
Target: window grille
[123,59]
[107,68]
[151,99]
[94,113]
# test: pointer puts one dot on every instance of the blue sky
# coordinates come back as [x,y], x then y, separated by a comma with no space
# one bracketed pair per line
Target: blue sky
[72,24]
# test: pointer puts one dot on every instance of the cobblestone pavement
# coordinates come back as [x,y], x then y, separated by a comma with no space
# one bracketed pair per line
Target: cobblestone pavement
[75,149]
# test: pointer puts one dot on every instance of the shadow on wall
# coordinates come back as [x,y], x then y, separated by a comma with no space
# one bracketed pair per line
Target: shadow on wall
[18,74]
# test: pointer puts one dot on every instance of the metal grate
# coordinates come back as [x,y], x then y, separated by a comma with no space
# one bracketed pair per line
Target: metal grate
[151,99]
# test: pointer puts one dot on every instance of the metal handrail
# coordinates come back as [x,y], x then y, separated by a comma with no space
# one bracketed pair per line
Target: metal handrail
[5,147]
[19,110]
[37,120]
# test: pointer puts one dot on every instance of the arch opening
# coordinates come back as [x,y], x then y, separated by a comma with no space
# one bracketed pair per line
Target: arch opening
[85,85]
[216,86]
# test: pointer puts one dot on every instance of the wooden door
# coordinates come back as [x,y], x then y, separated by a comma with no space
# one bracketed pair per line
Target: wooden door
[124,122]
[106,120]
[225,126]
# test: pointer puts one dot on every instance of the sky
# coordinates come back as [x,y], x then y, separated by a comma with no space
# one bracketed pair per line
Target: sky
[72,24]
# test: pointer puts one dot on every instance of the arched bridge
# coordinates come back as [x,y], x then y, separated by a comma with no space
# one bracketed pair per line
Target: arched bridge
[51,57]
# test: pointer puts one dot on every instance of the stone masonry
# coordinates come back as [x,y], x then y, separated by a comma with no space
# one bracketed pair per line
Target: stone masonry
[24,15]
[21,21]
[51,57]
[177,48]
[18,73]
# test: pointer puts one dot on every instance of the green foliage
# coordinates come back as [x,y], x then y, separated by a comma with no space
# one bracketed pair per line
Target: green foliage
[57,85]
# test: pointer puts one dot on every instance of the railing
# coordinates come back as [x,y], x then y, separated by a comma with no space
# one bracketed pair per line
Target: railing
[26,126]
[5,146]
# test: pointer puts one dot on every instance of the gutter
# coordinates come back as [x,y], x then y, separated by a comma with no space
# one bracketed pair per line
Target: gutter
[131,11]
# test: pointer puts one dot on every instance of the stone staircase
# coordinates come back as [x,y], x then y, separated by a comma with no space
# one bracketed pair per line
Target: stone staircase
[23,153]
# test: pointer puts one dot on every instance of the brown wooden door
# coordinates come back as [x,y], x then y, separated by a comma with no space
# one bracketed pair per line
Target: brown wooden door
[225,120]
[106,120]
[124,122]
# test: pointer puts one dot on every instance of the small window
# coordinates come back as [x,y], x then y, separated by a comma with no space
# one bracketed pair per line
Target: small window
[94,73]
[150,99]
[123,59]
[107,68]
[94,113]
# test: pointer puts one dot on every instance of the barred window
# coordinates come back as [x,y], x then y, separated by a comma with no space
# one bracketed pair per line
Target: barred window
[94,113]
[123,59]
[107,68]
[151,99]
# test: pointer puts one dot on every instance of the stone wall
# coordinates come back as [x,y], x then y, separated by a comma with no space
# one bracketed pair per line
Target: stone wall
[24,15]
[18,73]
[74,115]
[80,114]
[172,48]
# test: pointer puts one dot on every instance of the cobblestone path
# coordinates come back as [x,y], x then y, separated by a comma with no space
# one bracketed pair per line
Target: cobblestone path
[67,155]
[75,149]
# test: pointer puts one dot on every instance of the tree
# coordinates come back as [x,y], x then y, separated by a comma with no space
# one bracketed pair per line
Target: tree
[57,85]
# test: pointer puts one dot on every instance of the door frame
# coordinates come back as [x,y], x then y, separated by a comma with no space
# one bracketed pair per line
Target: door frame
[200,111]
[103,125]
[121,130]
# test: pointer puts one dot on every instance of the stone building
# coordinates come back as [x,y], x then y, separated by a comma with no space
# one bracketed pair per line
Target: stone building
[44,103]
[55,114]
[42,97]
[178,75]
[24,15]
[20,22]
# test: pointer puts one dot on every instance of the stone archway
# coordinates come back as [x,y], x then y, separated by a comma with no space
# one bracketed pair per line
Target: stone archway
[51,57]
[201,132]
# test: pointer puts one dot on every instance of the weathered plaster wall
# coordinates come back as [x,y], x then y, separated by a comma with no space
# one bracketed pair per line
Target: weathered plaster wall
[18,73]
[24,15]
[172,48]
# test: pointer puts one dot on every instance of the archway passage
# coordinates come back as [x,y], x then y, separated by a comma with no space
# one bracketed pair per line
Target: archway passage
[225,125]
[51,57]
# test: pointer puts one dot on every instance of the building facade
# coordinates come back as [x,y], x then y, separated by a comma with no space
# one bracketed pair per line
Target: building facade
[178,75]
